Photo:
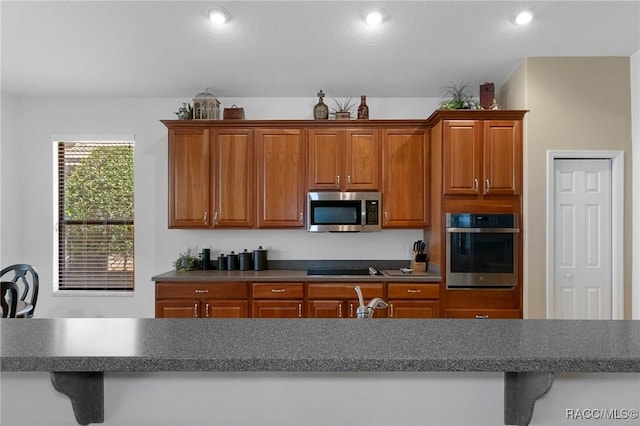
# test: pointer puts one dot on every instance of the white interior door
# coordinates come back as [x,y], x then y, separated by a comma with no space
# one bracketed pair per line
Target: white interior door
[582,270]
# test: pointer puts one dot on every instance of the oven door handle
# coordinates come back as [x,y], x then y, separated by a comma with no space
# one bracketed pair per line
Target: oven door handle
[484,230]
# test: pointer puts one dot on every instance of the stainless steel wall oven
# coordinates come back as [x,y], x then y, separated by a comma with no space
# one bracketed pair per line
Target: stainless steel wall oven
[481,250]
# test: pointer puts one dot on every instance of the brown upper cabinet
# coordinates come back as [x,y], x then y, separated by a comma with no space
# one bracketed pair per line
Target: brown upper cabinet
[482,157]
[405,171]
[189,178]
[281,177]
[344,159]
[211,178]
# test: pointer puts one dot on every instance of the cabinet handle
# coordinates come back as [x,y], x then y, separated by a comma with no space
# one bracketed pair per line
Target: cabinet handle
[386,217]
[215,218]
[201,291]
[301,218]
[206,215]
[195,310]
[340,310]
[351,310]
[484,316]
[348,180]
[207,311]
[338,181]
[278,290]
[487,186]
[475,185]
[299,310]
[413,290]
[391,310]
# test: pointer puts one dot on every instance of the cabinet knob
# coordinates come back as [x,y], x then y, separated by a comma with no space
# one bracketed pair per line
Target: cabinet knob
[413,290]
[206,215]
[301,218]
[299,310]
[195,310]
[340,310]
[348,180]
[278,290]
[475,185]
[201,291]
[207,311]
[215,218]
[482,316]
[338,181]
[386,217]
[487,186]
[390,310]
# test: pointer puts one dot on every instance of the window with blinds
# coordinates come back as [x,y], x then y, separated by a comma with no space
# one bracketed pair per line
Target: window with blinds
[95,216]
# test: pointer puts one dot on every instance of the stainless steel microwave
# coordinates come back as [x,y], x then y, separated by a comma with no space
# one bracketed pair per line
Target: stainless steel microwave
[343,212]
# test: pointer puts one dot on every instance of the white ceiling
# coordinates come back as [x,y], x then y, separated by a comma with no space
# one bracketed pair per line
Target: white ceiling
[293,48]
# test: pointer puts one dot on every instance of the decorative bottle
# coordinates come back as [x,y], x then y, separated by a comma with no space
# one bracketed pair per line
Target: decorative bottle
[320,110]
[363,109]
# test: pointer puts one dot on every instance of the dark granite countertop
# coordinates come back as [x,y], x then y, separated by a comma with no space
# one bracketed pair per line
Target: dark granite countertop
[122,344]
[292,275]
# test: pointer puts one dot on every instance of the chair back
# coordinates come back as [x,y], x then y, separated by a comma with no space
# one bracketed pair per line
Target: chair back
[8,288]
[26,277]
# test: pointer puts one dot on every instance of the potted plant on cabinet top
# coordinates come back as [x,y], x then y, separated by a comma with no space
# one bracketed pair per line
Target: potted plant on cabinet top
[458,97]
[343,109]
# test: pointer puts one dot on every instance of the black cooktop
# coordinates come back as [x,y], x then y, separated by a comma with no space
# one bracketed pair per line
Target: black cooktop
[339,272]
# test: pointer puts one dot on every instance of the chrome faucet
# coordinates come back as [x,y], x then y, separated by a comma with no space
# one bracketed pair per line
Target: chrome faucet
[368,310]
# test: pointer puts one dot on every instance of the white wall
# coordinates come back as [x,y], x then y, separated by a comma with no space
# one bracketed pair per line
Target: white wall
[26,210]
[635,143]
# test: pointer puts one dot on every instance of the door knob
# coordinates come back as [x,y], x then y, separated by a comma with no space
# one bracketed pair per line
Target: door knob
[568,275]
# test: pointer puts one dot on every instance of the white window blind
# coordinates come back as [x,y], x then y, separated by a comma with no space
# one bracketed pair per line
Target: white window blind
[95,216]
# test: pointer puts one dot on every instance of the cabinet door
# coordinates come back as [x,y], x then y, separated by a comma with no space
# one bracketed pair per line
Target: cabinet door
[178,309]
[189,178]
[405,170]
[234,178]
[326,159]
[326,309]
[225,309]
[462,146]
[277,309]
[502,157]
[281,179]
[413,309]
[362,160]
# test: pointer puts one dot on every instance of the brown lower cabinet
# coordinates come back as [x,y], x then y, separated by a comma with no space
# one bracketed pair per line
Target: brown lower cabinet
[413,300]
[206,300]
[482,313]
[339,300]
[278,300]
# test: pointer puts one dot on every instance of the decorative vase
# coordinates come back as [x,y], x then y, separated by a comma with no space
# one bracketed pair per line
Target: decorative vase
[363,109]
[343,115]
[320,110]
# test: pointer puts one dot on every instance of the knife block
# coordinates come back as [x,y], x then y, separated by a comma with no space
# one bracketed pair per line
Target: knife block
[418,266]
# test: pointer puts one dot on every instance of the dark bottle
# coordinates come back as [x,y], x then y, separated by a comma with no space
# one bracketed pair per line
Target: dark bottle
[320,110]
[363,109]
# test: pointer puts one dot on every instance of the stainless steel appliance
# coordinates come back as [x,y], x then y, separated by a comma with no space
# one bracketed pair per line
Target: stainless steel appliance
[343,212]
[481,250]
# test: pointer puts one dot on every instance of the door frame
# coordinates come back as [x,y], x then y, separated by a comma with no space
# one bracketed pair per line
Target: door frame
[617,222]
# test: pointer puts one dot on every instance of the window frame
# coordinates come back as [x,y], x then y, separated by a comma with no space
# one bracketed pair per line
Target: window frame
[90,139]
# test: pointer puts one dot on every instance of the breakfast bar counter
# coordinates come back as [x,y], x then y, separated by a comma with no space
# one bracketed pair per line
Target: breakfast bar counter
[78,352]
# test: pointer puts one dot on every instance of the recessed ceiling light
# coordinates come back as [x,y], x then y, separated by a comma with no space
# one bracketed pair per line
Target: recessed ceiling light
[218,16]
[524,17]
[374,17]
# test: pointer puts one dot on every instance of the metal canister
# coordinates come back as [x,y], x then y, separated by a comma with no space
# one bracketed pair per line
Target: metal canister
[245,260]
[232,261]
[222,262]
[260,259]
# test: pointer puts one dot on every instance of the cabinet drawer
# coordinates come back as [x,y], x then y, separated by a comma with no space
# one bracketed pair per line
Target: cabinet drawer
[496,299]
[278,290]
[413,291]
[205,290]
[482,313]
[344,290]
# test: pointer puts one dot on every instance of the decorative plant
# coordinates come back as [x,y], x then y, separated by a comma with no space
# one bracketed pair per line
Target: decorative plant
[343,107]
[185,112]
[458,97]
[186,262]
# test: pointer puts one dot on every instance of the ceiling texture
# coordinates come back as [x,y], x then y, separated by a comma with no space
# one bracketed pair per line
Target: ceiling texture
[293,48]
